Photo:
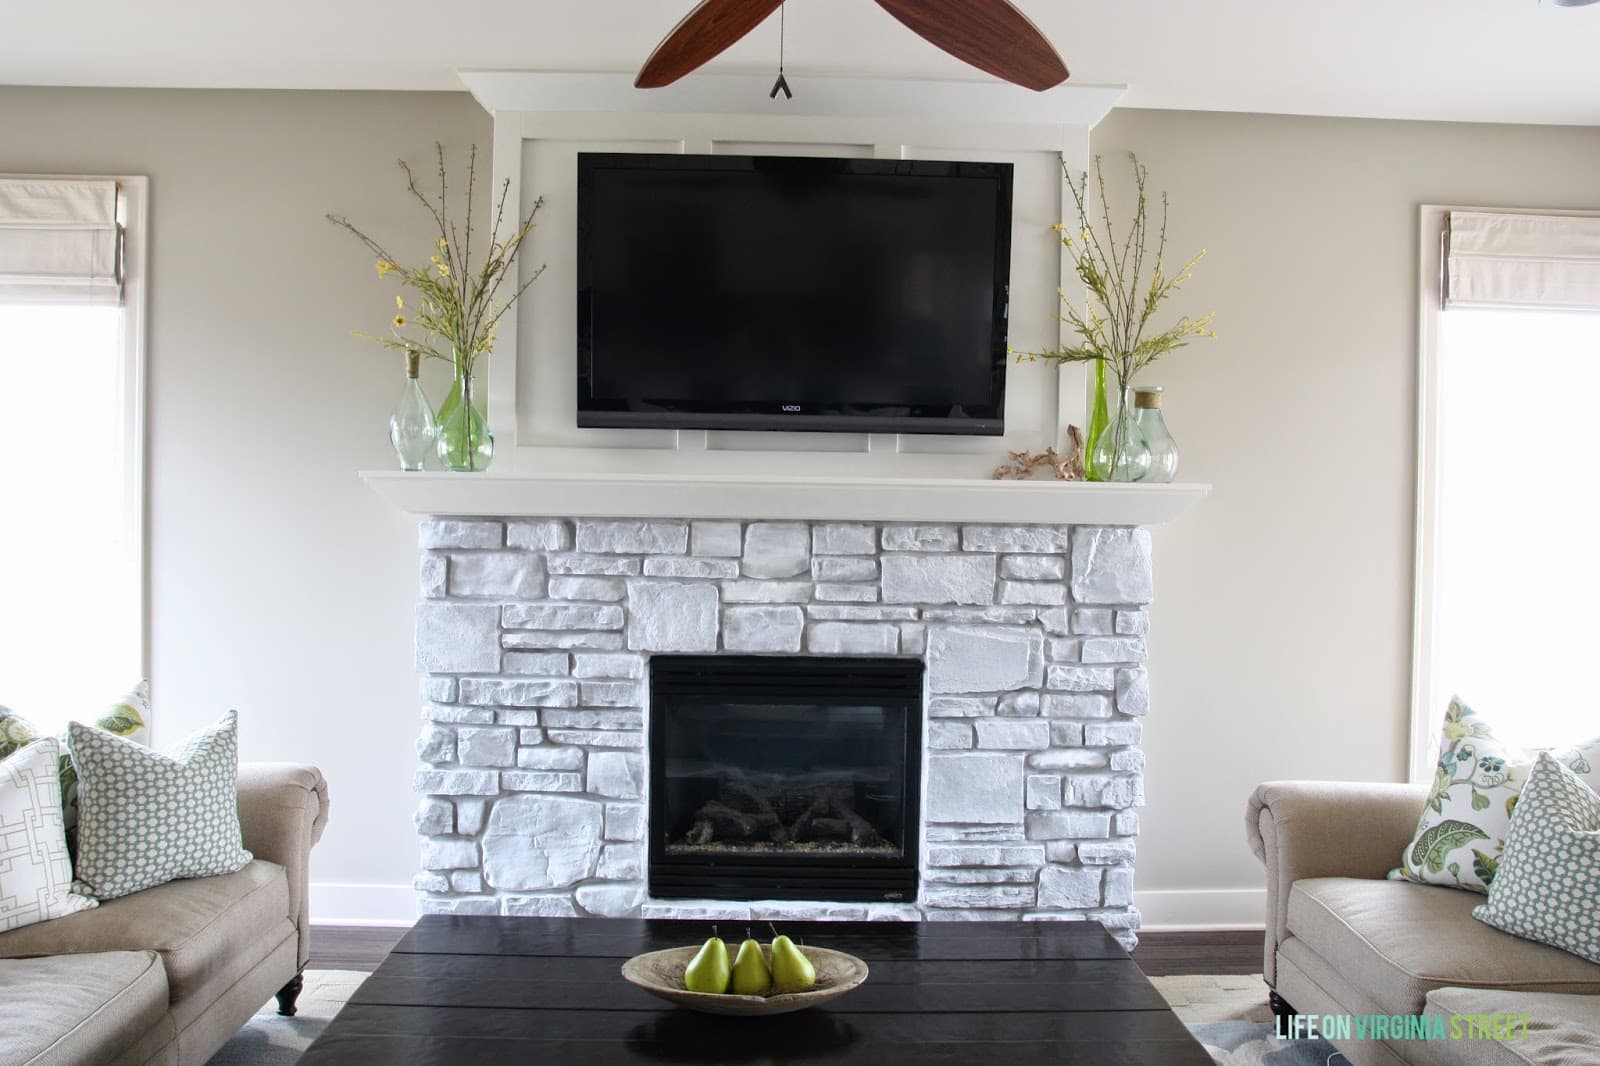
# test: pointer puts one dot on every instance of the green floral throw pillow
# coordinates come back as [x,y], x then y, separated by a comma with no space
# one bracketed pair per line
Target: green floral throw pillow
[128,716]
[1476,787]
[147,817]
[1548,886]
[16,732]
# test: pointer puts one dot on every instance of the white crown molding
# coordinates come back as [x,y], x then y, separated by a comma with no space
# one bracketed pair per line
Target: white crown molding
[815,96]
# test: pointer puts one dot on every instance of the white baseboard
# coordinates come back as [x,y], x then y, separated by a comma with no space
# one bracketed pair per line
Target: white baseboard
[346,904]
[1204,908]
[1223,908]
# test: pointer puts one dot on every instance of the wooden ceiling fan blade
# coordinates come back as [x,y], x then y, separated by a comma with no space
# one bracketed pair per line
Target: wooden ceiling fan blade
[991,35]
[705,33]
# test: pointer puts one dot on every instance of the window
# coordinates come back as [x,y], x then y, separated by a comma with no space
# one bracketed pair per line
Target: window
[71,484]
[1508,575]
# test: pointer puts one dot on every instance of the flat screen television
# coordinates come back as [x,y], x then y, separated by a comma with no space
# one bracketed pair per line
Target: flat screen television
[784,293]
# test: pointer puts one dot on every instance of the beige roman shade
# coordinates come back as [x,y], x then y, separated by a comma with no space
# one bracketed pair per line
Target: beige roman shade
[60,241]
[1530,261]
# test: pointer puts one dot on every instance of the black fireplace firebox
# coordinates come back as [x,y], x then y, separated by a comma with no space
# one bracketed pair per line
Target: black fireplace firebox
[778,777]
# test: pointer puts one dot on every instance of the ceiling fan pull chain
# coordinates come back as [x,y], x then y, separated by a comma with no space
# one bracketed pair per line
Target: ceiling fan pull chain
[782,82]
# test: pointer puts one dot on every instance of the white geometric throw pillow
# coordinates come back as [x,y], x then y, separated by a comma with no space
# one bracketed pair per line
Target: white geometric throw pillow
[146,818]
[35,873]
[1548,885]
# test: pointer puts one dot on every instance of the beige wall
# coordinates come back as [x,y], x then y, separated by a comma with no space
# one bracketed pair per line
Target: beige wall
[285,588]
[1280,639]
[281,585]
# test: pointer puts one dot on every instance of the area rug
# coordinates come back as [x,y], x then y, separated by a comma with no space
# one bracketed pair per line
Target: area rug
[1230,1016]
[1254,1044]
[269,1039]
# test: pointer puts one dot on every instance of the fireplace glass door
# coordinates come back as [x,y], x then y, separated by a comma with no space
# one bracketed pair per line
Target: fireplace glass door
[784,778]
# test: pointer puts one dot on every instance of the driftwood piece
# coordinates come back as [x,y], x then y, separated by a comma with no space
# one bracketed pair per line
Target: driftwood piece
[1067,467]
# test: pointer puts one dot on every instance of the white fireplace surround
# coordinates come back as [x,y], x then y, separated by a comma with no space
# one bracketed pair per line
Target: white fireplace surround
[1026,600]
[533,642]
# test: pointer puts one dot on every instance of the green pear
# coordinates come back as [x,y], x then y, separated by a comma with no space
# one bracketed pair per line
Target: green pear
[791,970]
[708,971]
[750,974]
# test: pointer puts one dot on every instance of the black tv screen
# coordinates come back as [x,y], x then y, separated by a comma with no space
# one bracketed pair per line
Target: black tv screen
[774,292]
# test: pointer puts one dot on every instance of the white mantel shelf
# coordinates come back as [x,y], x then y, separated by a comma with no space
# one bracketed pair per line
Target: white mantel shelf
[864,499]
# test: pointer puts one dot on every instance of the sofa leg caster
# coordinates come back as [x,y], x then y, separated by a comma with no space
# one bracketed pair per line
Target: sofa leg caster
[288,994]
[1280,1007]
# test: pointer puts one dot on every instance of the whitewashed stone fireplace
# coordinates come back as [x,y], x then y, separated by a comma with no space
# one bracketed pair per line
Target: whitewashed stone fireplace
[534,637]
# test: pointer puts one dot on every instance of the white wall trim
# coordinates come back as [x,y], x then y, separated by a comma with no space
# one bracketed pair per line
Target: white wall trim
[333,903]
[135,195]
[1423,600]
[1169,910]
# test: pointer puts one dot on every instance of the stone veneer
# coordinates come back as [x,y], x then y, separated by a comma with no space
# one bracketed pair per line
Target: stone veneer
[533,639]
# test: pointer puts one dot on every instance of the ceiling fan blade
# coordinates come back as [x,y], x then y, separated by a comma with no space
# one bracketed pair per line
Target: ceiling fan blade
[705,33]
[991,35]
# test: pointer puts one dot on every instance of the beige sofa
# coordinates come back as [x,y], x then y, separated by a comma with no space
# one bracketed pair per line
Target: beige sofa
[167,975]
[1343,940]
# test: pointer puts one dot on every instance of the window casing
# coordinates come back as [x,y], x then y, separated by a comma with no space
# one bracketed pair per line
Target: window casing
[72,489]
[1505,575]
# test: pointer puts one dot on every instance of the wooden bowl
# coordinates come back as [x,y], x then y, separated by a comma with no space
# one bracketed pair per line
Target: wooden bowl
[660,973]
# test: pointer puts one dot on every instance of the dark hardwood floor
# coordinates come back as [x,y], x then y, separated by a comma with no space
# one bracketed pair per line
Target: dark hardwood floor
[1226,951]
[362,947]
[352,947]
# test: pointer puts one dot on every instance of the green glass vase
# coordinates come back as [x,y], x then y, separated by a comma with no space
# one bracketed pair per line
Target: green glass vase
[465,443]
[1099,419]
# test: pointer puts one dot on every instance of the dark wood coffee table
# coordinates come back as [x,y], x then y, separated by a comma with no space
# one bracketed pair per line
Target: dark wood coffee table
[461,990]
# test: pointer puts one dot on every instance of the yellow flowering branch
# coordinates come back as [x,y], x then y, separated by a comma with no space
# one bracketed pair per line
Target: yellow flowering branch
[1115,321]
[457,307]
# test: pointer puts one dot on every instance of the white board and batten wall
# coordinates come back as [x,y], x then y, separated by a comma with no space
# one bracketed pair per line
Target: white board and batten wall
[542,122]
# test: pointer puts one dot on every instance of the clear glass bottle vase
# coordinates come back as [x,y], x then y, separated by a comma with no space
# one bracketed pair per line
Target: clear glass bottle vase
[1120,452]
[465,441]
[1163,449]
[412,426]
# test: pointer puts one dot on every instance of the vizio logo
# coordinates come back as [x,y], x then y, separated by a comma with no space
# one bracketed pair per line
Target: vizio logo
[792,407]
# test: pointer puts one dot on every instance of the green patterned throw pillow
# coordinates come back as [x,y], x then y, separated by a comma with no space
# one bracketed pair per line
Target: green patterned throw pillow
[1476,786]
[1548,885]
[146,818]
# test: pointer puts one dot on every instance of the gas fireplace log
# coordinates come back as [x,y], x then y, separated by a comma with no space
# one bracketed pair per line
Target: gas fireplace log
[741,795]
[801,829]
[863,834]
[717,821]
[830,829]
